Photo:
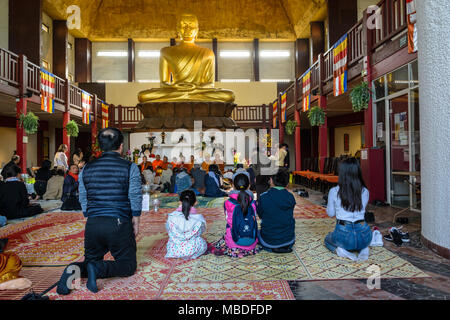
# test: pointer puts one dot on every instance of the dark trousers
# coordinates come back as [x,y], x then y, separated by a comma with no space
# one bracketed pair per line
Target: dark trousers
[108,234]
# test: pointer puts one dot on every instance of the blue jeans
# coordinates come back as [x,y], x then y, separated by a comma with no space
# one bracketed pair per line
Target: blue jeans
[351,237]
[2,221]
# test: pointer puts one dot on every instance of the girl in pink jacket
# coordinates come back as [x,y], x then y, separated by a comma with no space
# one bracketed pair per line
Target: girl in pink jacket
[243,198]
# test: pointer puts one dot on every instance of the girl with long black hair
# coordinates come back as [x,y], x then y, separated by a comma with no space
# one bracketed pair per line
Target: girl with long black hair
[348,203]
[185,228]
[243,198]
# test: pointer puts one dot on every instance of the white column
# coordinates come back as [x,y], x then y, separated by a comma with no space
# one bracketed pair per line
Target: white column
[434,80]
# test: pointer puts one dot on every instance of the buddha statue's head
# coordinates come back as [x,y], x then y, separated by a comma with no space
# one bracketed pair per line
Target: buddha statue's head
[188,27]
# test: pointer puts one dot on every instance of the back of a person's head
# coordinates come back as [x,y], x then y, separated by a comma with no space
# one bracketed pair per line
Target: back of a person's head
[13,171]
[46,165]
[240,166]
[110,139]
[188,199]
[241,183]
[15,158]
[281,178]
[351,184]
[60,172]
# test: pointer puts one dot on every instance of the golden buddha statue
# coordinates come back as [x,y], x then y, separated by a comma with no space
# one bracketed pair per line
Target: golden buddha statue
[187,70]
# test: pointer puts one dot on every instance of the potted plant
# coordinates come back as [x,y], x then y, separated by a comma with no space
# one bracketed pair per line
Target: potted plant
[316,116]
[29,122]
[360,97]
[290,127]
[136,153]
[72,129]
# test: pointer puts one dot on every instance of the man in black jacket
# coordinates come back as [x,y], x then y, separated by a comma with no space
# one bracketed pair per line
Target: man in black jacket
[15,160]
[110,194]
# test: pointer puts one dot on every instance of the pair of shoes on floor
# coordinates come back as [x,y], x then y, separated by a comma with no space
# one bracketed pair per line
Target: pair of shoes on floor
[362,256]
[303,194]
[397,236]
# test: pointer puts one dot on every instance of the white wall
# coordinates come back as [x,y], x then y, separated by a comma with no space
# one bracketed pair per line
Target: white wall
[109,68]
[4,21]
[32,151]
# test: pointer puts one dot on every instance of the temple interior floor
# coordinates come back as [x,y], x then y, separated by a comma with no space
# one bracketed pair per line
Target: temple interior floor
[437,286]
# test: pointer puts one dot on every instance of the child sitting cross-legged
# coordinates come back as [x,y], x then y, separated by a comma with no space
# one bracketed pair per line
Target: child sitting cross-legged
[276,210]
[185,228]
[240,237]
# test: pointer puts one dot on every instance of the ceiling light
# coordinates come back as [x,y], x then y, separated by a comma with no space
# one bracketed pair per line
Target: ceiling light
[275,54]
[112,81]
[234,54]
[276,80]
[149,54]
[149,80]
[235,80]
[112,54]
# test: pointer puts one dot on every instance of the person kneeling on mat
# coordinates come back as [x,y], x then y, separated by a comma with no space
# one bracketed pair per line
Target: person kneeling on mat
[111,198]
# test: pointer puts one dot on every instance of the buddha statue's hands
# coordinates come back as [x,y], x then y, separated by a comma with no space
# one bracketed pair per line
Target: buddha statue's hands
[184,86]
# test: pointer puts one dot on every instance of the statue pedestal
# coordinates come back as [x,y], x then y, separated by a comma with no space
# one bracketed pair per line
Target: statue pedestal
[169,116]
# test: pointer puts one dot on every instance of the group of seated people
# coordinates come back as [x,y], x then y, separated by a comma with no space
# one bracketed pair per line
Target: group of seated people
[275,207]
[18,198]
[204,179]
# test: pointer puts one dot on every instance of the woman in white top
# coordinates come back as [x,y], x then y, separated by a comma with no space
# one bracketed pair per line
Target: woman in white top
[60,159]
[347,202]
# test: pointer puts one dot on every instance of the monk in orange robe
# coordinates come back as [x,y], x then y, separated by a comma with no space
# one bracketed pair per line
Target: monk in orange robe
[144,164]
[157,163]
[10,266]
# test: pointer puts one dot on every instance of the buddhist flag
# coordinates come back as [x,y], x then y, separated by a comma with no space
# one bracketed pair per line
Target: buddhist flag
[283,107]
[340,53]
[47,91]
[307,91]
[275,114]
[86,107]
[412,25]
[105,115]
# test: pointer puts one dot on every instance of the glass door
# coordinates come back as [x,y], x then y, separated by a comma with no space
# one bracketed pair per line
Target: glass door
[400,151]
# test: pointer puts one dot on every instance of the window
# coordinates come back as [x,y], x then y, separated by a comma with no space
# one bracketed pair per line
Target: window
[235,61]
[276,61]
[398,80]
[110,61]
[147,60]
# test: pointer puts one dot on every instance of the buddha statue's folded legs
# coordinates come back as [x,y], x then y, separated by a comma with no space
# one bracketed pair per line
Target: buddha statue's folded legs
[198,94]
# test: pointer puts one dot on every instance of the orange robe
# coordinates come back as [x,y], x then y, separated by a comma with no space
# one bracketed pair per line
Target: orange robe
[205,166]
[143,166]
[156,164]
[10,266]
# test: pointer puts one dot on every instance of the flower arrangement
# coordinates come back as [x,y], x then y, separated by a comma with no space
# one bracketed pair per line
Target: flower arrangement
[96,151]
[29,122]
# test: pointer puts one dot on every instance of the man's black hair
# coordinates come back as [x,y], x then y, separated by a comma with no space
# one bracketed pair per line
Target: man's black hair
[281,179]
[12,171]
[240,166]
[110,139]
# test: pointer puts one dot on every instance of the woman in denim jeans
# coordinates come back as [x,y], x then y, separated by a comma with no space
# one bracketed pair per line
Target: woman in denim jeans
[348,203]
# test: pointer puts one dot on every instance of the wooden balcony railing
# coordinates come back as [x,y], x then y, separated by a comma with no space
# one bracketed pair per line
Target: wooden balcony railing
[33,78]
[9,67]
[393,21]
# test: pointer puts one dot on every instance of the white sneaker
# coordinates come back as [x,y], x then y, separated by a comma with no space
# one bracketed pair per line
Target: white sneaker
[377,239]
[345,254]
[363,254]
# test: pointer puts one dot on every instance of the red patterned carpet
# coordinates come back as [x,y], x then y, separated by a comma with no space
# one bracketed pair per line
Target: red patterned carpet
[56,239]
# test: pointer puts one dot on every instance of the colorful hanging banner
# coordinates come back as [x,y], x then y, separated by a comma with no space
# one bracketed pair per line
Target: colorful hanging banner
[275,114]
[86,103]
[47,91]
[283,107]
[307,91]
[340,54]
[412,25]
[105,115]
